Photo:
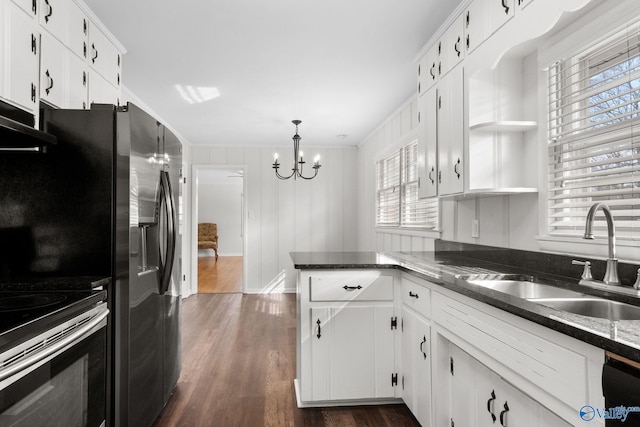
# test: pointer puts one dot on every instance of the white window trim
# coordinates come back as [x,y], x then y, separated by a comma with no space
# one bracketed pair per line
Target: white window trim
[603,21]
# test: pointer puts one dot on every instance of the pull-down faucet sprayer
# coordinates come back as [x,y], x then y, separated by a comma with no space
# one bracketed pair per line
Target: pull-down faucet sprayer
[611,274]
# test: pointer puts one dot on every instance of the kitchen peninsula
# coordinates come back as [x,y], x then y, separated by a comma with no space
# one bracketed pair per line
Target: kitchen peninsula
[423,321]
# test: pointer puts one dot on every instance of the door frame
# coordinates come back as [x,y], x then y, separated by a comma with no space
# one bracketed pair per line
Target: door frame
[195,174]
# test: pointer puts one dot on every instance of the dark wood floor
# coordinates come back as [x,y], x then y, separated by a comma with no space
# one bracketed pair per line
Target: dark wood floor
[238,366]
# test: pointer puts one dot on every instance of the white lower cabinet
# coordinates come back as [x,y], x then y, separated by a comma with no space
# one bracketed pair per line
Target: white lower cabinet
[352,353]
[347,329]
[480,397]
[416,365]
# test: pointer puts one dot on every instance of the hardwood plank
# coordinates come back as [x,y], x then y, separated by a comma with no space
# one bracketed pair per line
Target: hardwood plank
[238,367]
[222,275]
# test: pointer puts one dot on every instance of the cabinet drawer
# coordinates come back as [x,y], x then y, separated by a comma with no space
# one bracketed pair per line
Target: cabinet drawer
[417,297]
[347,287]
[554,368]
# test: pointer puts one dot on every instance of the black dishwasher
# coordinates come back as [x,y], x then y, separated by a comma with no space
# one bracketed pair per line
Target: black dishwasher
[621,389]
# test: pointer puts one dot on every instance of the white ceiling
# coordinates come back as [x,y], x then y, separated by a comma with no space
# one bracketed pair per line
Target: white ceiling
[340,66]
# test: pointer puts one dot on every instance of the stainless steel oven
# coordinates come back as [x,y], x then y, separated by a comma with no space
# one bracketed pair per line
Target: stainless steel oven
[57,377]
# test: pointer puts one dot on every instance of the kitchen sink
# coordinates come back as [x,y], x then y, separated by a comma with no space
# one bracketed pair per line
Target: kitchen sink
[593,307]
[525,289]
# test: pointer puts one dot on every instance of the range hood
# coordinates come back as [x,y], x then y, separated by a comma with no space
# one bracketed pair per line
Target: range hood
[15,136]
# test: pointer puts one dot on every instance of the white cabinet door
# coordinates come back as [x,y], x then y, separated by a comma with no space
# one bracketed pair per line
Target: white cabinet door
[461,387]
[103,56]
[416,365]
[53,59]
[78,84]
[101,91]
[428,144]
[77,31]
[452,46]
[29,6]
[451,133]
[19,54]
[484,17]
[352,352]
[54,17]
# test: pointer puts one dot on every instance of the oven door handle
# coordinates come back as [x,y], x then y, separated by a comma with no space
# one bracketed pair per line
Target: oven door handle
[59,346]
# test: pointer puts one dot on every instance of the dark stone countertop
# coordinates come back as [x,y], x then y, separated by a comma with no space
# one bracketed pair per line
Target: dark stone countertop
[446,268]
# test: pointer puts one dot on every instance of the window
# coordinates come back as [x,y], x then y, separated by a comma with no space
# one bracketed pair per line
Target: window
[594,150]
[398,204]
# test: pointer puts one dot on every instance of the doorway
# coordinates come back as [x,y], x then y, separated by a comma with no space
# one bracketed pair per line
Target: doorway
[219,199]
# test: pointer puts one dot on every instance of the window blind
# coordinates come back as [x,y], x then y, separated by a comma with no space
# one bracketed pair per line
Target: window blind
[594,136]
[398,202]
[388,190]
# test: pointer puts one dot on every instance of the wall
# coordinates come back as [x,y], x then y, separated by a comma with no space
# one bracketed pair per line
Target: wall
[219,201]
[287,216]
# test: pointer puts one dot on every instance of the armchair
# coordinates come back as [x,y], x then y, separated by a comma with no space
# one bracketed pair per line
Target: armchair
[208,236]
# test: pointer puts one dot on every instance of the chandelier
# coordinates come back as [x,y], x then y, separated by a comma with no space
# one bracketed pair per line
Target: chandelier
[298,159]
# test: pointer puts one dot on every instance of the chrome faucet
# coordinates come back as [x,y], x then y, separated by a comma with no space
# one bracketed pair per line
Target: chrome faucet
[611,273]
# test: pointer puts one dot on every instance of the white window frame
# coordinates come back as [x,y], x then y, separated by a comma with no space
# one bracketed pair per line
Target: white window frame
[609,22]
[410,212]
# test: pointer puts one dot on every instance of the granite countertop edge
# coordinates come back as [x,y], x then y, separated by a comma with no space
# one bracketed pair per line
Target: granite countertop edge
[437,269]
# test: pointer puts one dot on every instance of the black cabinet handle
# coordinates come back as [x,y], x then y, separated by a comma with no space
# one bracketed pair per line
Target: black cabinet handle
[456,48]
[319,329]
[503,415]
[49,13]
[34,44]
[50,79]
[506,6]
[95,53]
[439,177]
[455,168]
[412,295]
[419,87]
[467,41]
[351,288]
[439,67]
[433,169]
[490,405]
[467,19]
[418,70]
[33,92]
[34,6]
[424,341]
[432,72]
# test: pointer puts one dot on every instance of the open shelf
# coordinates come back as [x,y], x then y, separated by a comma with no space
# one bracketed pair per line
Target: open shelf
[505,126]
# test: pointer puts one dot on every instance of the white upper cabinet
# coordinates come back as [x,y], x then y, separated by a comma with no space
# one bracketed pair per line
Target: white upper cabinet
[428,144]
[66,22]
[451,46]
[450,130]
[104,57]
[29,6]
[19,55]
[483,18]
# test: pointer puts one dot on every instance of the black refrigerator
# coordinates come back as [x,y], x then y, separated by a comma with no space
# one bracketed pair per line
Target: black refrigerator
[119,198]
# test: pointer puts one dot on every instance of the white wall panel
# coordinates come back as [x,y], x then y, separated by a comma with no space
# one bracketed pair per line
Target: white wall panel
[287,216]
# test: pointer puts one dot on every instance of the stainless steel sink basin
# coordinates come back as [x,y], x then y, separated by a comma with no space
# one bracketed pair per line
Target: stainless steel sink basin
[593,307]
[525,289]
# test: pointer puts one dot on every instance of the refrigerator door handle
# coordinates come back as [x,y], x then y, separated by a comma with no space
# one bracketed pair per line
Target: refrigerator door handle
[167,198]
